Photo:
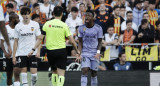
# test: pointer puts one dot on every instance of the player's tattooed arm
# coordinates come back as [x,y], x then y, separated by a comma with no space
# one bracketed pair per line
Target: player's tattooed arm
[99,44]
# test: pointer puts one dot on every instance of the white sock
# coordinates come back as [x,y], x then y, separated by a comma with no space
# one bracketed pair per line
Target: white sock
[24,79]
[17,83]
[10,85]
[33,79]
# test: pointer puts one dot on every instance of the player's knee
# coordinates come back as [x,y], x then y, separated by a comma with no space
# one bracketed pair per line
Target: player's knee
[85,71]
[93,73]
[16,74]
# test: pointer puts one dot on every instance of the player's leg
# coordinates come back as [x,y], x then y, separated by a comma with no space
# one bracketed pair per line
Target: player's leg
[85,65]
[16,71]
[9,71]
[24,76]
[94,69]
[33,64]
[61,62]
[24,65]
[51,59]
[33,76]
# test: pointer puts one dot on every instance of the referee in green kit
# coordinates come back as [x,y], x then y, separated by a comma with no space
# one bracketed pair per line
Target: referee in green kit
[56,31]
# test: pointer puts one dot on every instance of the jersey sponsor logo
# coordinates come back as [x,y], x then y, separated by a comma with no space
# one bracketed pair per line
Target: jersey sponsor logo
[55,26]
[50,26]
[32,28]
[27,34]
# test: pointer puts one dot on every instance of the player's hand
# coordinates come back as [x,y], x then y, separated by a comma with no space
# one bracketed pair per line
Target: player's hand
[9,51]
[14,60]
[7,55]
[31,53]
[78,58]
[97,55]
[38,55]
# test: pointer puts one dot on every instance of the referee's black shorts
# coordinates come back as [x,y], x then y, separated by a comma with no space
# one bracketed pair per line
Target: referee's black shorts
[57,58]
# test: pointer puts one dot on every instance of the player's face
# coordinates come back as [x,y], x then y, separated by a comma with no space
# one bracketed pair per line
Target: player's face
[111,30]
[16,19]
[26,17]
[88,17]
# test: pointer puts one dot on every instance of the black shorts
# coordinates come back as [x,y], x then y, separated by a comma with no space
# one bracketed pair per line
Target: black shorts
[24,61]
[57,58]
[8,64]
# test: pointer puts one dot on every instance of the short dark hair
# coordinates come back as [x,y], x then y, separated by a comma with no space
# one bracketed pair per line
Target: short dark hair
[35,5]
[9,5]
[144,21]
[129,12]
[145,13]
[25,10]
[11,15]
[120,54]
[58,10]
[81,4]
[91,11]
[128,21]
[137,2]
[35,16]
[115,7]
[74,9]
[152,2]
[122,6]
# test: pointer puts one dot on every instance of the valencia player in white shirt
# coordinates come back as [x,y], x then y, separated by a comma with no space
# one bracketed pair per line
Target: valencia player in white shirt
[26,33]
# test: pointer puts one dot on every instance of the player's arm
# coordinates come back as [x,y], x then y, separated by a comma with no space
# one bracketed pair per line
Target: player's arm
[39,40]
[73,43]
[80,44]
[3,49]
[39,50]
[14,50]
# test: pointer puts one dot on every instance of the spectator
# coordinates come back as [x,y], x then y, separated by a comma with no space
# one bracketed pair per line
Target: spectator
[157,37]
[73,21]
[146,32]
[129,17]
[128,35]
[122,64]
[123,12]
[10,9]
[146,16]
[115,20]
[82,10]
[55,2]
[146,5]
[108,7]
[102,16]
[36,10]
[47,9]
[110,41]
[137,12]
[153,15]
